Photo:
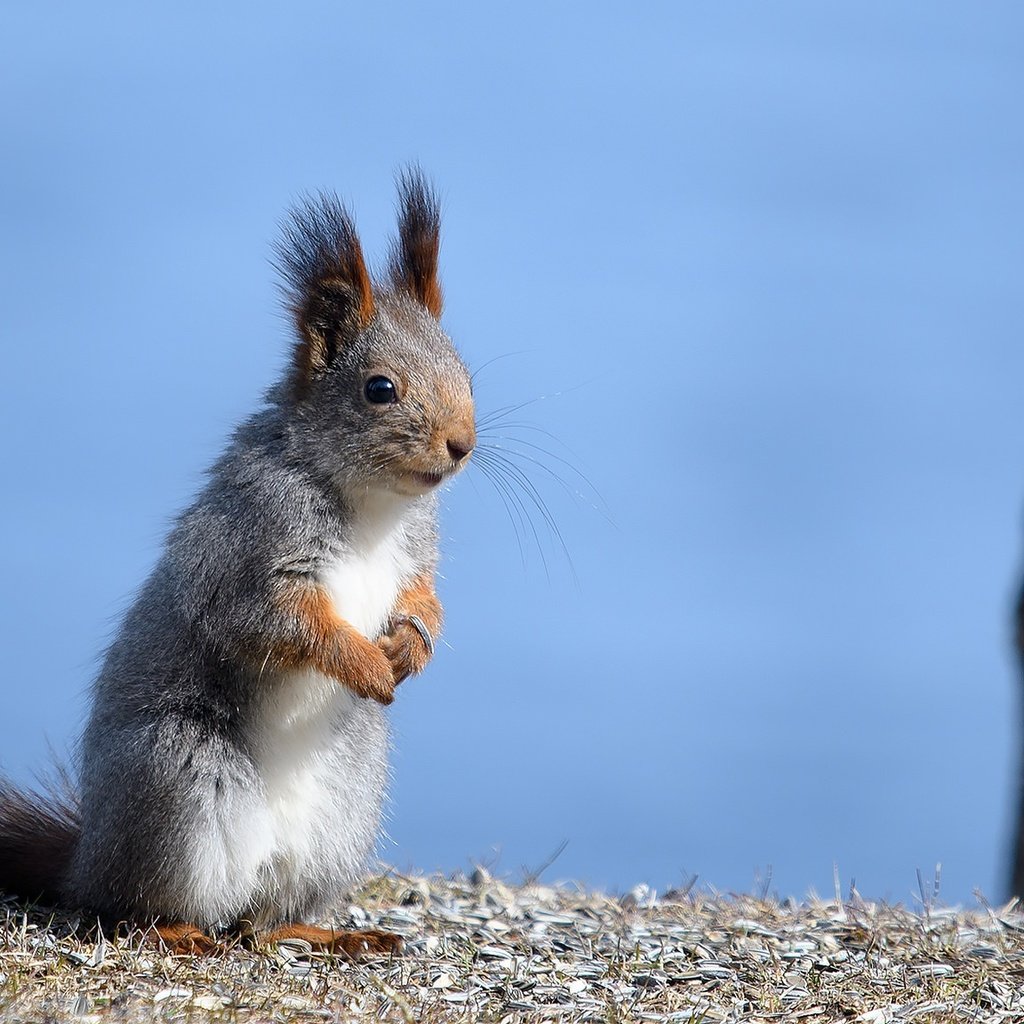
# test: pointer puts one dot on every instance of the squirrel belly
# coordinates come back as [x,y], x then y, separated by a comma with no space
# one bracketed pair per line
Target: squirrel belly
[288,847]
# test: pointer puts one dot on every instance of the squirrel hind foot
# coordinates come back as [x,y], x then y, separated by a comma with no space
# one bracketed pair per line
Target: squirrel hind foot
[352,944]
[184,939]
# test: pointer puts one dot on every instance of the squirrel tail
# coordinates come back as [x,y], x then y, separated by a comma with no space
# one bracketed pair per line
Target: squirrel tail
[38,832]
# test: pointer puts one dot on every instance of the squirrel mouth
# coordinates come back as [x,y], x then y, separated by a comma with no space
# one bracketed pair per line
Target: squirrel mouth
[427,479]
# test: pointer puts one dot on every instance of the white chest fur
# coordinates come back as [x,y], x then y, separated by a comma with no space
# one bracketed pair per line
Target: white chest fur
[372,567]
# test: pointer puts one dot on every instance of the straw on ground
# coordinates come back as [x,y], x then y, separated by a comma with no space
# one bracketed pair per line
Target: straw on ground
[480,949]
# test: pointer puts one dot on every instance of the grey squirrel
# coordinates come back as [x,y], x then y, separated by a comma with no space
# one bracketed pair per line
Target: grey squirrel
[232,770]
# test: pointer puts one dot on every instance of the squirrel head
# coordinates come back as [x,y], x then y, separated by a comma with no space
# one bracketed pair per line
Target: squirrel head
[375,390]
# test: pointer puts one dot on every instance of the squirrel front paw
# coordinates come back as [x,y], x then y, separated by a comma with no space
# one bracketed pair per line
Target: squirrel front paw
[367,672]
[405,649]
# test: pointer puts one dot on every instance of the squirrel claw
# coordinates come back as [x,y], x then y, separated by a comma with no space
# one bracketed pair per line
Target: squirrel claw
[405,650]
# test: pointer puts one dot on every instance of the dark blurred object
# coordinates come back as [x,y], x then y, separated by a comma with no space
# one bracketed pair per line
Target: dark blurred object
[1017,863]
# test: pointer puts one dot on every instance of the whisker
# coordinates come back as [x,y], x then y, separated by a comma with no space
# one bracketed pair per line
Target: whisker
[502,494]
[496,472]
[531,491]
[263,667]
[601,508]
[496,359]
[561,481]
[514,472]
[513,425]
[507,410]
[515,475]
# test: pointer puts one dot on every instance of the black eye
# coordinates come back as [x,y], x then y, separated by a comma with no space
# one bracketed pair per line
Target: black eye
[380,390]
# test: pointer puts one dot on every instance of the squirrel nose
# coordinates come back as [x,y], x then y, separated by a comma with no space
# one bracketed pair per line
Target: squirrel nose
[459,447]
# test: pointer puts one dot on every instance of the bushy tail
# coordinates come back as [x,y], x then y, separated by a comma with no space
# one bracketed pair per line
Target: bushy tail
[38,831]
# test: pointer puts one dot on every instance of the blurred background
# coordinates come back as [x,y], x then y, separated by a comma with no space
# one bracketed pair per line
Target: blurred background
[754,271]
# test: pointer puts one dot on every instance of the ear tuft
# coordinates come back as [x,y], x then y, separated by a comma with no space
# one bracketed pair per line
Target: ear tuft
[413,263]
[326,283]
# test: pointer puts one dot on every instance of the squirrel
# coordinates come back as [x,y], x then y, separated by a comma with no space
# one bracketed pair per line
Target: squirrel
[232,769]
[1016,866]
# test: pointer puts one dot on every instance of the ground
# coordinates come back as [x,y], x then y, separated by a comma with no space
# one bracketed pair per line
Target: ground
[481,949]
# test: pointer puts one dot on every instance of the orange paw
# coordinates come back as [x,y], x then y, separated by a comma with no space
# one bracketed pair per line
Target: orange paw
[366,670]
[184,939]
[405,649]
[353,944]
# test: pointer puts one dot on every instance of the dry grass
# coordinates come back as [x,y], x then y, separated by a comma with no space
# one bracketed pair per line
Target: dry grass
[479,949]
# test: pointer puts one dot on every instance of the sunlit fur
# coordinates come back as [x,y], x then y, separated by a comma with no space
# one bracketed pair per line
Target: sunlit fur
[230,772]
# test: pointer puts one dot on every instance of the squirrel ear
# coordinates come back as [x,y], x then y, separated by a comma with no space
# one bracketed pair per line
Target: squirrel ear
[326,283]
[413,263]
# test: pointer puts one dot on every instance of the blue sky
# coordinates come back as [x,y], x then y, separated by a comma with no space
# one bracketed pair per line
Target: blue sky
[756,269]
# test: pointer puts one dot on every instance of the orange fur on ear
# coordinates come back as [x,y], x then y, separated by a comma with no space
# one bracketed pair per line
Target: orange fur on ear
[327,284]
[413,263]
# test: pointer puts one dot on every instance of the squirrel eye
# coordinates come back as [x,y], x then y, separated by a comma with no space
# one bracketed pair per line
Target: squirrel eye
[380,390]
